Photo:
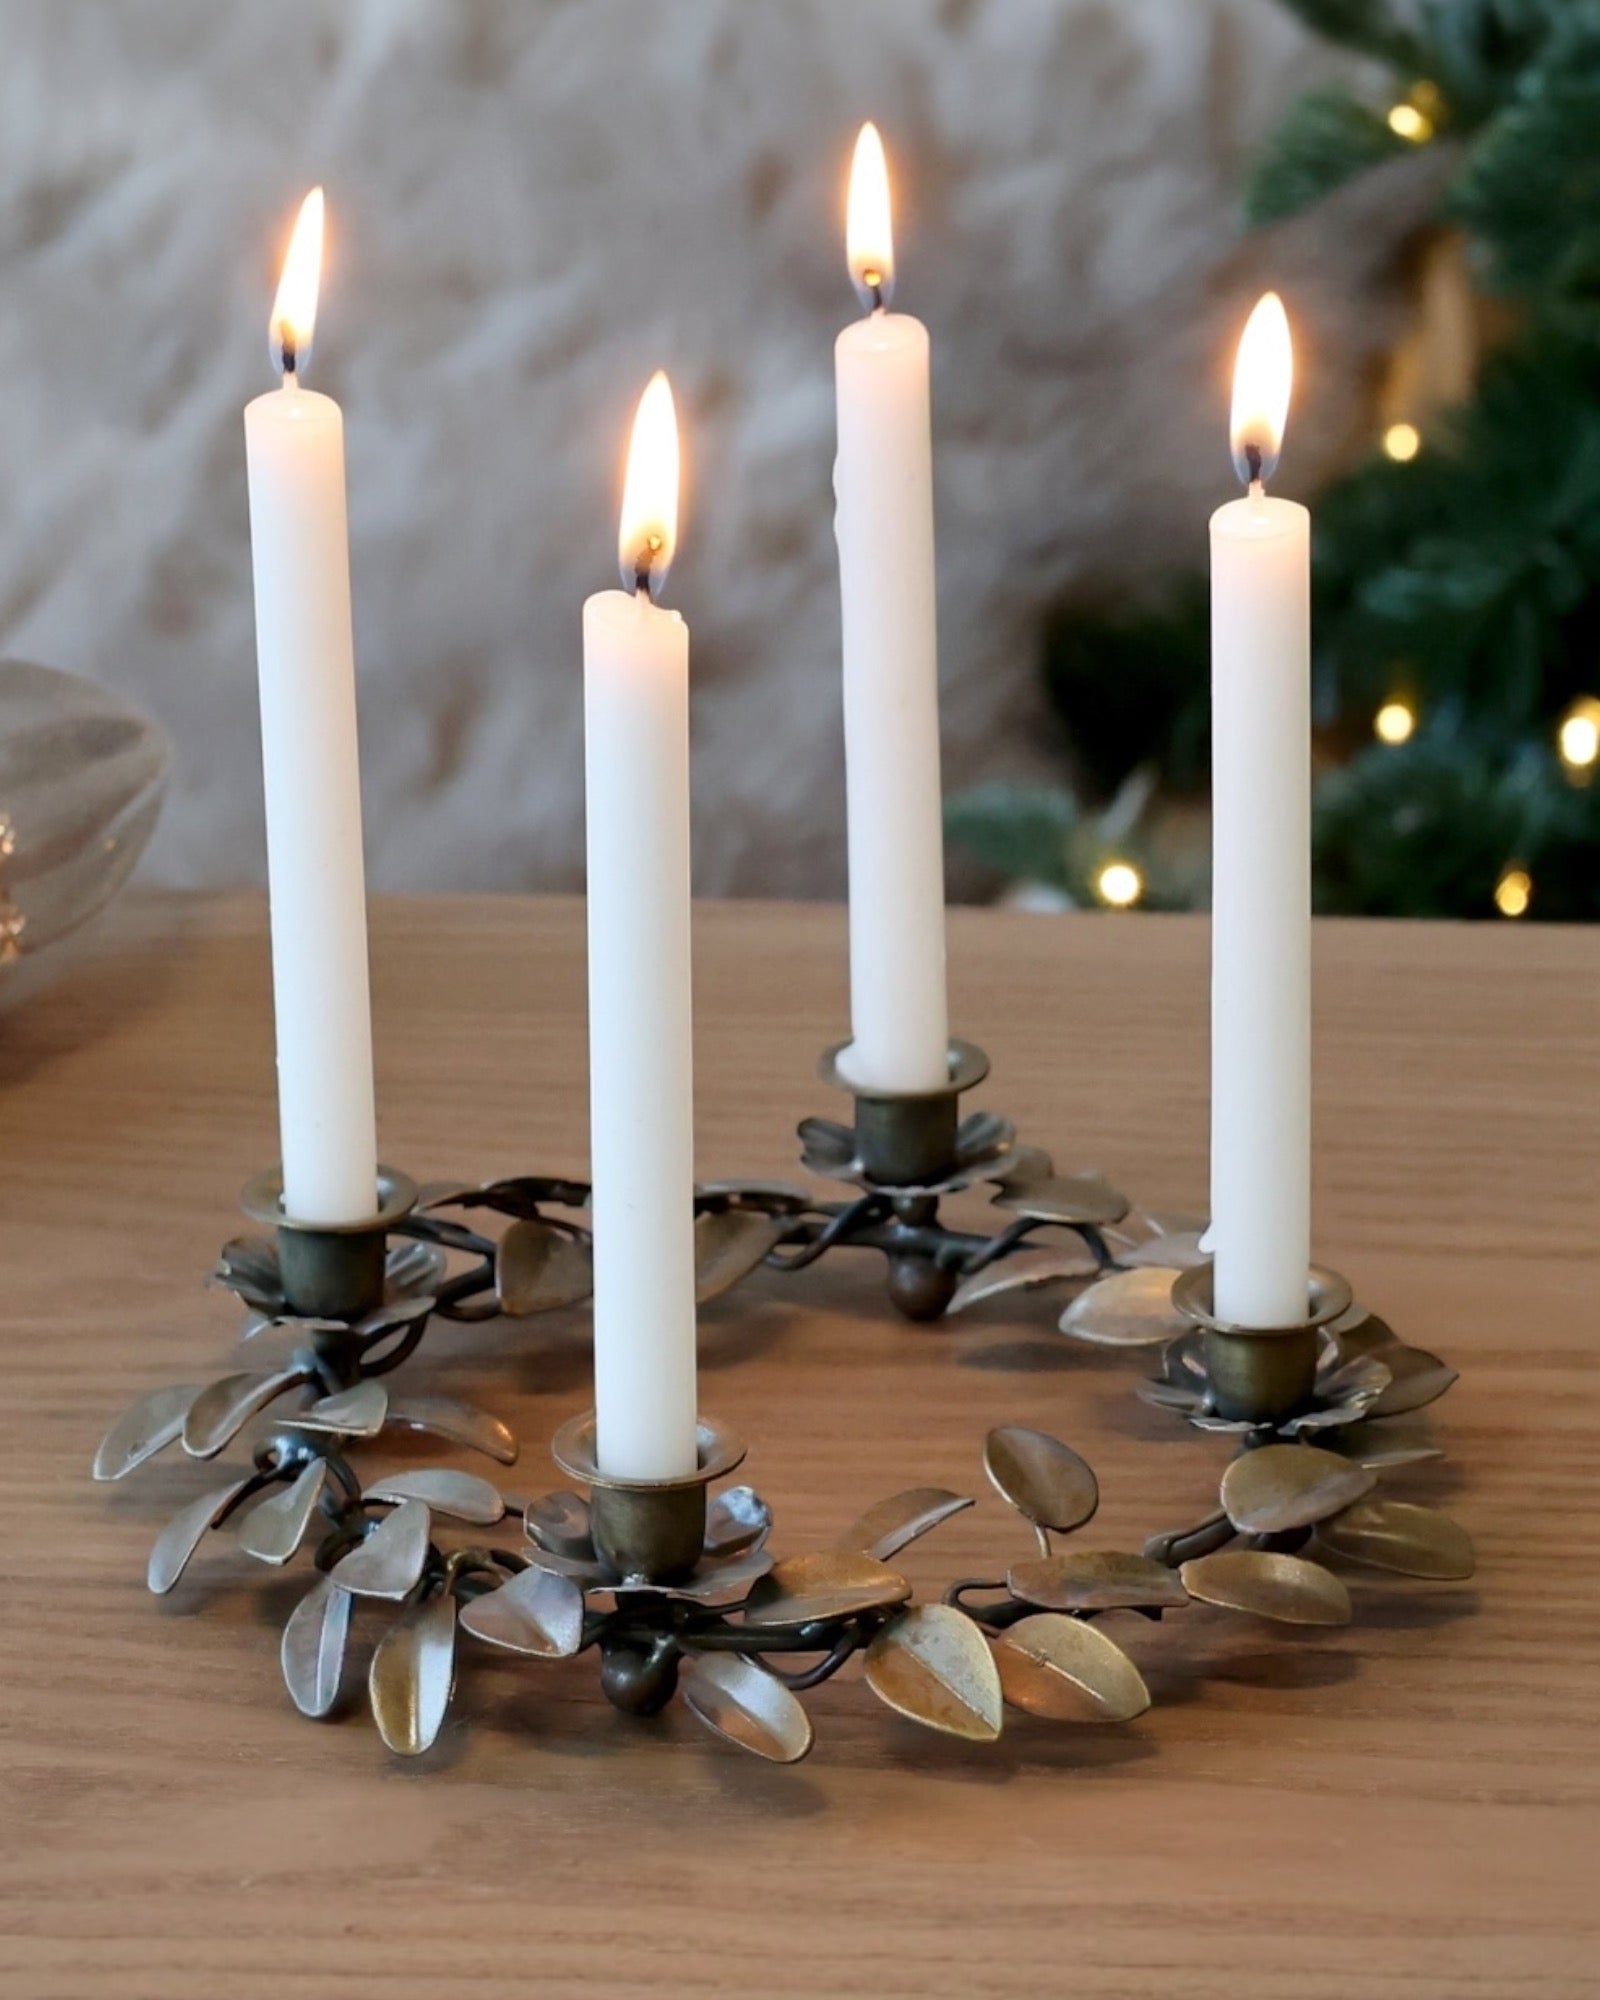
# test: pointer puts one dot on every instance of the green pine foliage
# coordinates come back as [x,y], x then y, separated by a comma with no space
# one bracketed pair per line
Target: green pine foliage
[1467,581]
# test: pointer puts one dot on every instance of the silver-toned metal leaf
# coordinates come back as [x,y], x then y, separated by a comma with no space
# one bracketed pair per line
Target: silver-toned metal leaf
[1023,1270]
[884,1530]
[1096,1580]
[1045,1480]
[443,1416]
[1289,1589]
[933,1664]
[1068,1670]
[729,1243]
[393,1317]
[1399,1536]
[1180,1251]
[412,1268]
[1127,1309]
[737,1699]
[827,1148]
[413,1675]
[538,1613]
[1024,1163]
[984,1139]
[390,1561]
[1385,1444]
[153,1423]
[559,1523]
[179,1539]
[538,1269]
[248,1265]
[462,1496]
[312,1652]
[273,1529]
[587,1571]
[1416,1378]
[737,1520]
[359,1411]
[1282,1486]
[831,1584]
[1067,1198]
[225,1406]
[723,1583]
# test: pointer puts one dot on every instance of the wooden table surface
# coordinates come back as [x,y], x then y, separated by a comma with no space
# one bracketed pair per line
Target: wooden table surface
[1407,1808]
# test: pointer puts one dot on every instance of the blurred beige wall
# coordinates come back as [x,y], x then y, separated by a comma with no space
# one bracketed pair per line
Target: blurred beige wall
[533,205]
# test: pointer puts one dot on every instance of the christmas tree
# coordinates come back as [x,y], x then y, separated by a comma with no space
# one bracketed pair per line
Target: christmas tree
[1456,575]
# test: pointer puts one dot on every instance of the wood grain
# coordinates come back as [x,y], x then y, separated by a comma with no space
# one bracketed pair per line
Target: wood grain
[1407,1809]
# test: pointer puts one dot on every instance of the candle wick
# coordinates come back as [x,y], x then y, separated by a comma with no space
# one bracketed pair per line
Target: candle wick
[641,586]
[1252,458]
[1258,492]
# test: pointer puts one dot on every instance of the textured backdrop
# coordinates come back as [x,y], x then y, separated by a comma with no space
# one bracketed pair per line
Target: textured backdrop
[532,205]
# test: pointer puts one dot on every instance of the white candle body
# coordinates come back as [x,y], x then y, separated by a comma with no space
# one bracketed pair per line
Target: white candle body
[299,541]
[641,1058]
[1261,910]
[883,484]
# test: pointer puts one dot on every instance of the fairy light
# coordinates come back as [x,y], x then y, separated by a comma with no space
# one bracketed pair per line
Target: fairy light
[1408,121]
[1402,442]
[1119,885]
[1395,722]
[1578,738]
[1513,893]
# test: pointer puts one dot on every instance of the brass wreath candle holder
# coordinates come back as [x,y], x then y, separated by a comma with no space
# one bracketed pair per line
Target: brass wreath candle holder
[674,1591]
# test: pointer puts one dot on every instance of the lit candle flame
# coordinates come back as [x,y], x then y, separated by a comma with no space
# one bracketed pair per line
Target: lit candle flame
[294,307]
[648,535]
[869,234]
[1262,379]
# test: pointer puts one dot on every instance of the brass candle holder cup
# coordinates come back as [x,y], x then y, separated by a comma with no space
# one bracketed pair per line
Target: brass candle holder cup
[670,1585]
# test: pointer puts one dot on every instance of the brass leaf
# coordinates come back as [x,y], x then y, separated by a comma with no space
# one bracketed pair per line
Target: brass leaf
[463,1496]
[179,1539]
[445,1417]
[390,1561]
[1096,1580]
[1022,1271]
[1045,1480]
[1396,1535]
[736,1698]
[312,1652]
[1066,1198]
[1128,1309]
[150,1426]
[1416,1378]
[537,1269]
[274,1528]
[1384,1444]
[884,1530]
[933,1664]
[225,1406]
[1069,1671]
[835,1583]
[1283,1486]
[413,1675]
[537,1612]
[728,1245]
[1288,1589]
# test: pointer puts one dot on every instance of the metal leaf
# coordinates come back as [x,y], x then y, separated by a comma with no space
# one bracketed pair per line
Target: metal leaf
[884,1530]
[1068,1198]
[462,1496]
[413,1675]
[312,1652]
[827,1148]
[393,1317]
[729,1243]
[559,1523]
[1024,1163]
[538,1269]
[1068,1671]
[723,1583]
[359,1411]
[738,1519]
[737,1699]
[390,1561]
[1178,1251]
[1022,1270]
[150,1426]
[1416,1378]
[273,1529]
[460,1422]
[933,1664]
[1384,1444]
[1096,1580]
[1396,1535]
[412,1268]
[836,1583]
[1284,1486]
[248,1265]
[983,1138]
[1128,1309]
[1045,1480]
[225,1406]
[1288,1589]
[180,1538]
[538,1613]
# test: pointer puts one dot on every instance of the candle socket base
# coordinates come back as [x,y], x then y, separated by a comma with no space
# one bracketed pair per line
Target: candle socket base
[1261,1375]
[331,1270]
[648,1531]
